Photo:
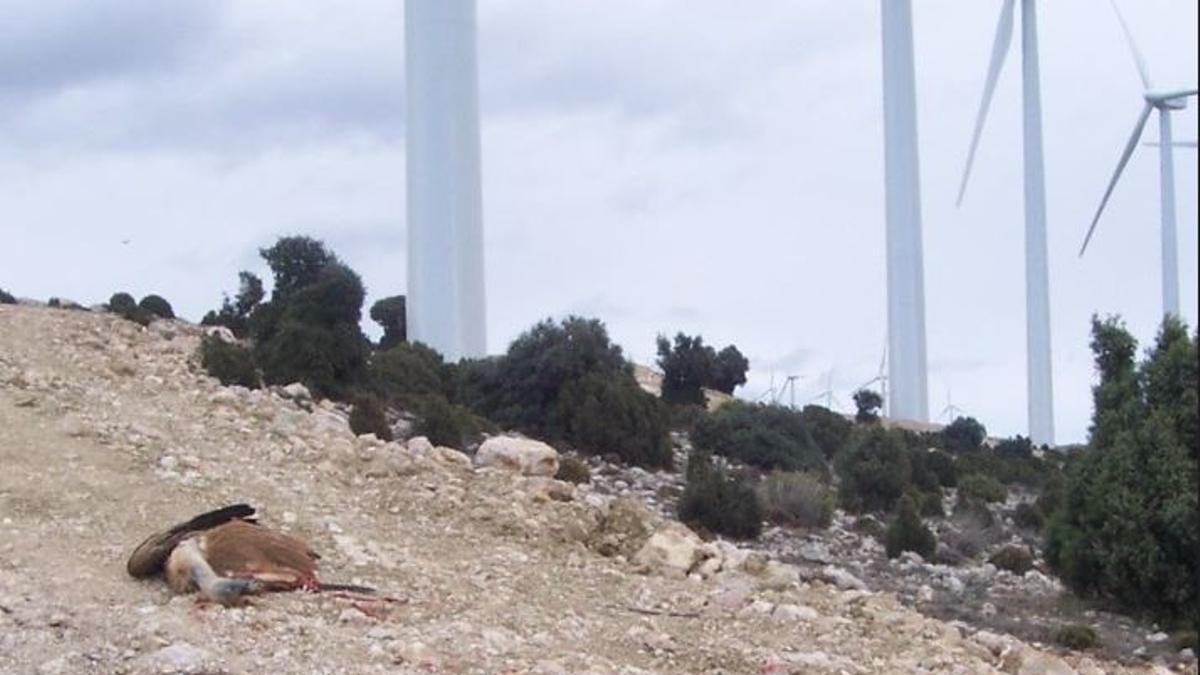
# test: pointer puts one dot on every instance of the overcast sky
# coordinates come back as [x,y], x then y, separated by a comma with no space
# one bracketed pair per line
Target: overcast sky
[705,166]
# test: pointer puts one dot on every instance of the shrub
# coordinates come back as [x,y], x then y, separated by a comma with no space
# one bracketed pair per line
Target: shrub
[7,298]
[719,503]
[124,306]
[1017,447]
[390,314]
[875,470]
[1029,517]
[408,372]
[1128,526]
[1075,636]
[729,371]
[930,504]
[327,360]
[942,465]
[687,368]
[982,487]
[829,430]
[520,389]
[573,471]
[972,512]
[1015,559]
[367,417]
[604,415]
[156,305]
[445,423]
[764,436]
[229,363]
[908,533]
[235,315]
[964,434]
[868,403]
[796,498]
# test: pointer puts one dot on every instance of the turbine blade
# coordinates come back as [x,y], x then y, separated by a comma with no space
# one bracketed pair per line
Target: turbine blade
[1129,146]
[1004,30]
[1137,53]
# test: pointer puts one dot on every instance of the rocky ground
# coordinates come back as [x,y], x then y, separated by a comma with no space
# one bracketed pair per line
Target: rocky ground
[971,592]
[109,432]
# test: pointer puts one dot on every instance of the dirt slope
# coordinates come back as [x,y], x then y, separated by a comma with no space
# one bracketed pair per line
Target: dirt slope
[108,432]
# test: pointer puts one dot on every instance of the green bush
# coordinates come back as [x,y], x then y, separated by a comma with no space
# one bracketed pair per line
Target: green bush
[390,313]
[367,417]
[229,363]
[156,305]
[729,370]
[1017,447]
[690,366]
[828,429]
[1128,527]
[124,306]
[235,315]
[964,434]
[7,298]
[520,389]
[908,533]
[407,373]
[447,424]
[982,487]
[972,512]
[327,360]
[601,415]
[1029,517]
[796,498]
[573,471]
[868,403]
[930,504]
[1015,559]
[1076,637]
[942,465]
[875,470]
[764,436]
[718,503]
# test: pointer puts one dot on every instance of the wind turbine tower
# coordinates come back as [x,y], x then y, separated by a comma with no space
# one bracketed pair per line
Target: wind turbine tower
[909,395]
[1164,101]
[1039,372]
[446,304]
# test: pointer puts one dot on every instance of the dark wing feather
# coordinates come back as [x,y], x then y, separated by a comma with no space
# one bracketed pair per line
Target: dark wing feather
[148,558]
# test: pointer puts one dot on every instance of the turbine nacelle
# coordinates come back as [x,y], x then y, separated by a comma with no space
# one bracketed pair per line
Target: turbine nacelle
[1170,100]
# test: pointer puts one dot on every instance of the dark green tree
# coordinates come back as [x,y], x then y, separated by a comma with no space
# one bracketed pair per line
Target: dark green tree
[729,370]
[964,434]
[296,262]
[875,469]
[687,368]
[908,533]
[764,436]
[829,430]
[1127,525]
[868,403]
[389,313]
[235,314]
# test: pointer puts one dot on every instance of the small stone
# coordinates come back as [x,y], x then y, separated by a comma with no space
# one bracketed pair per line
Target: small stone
[1157,637]
[795,613]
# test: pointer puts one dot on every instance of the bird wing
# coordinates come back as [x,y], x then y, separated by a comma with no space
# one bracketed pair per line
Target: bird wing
[148,558]
[245,550]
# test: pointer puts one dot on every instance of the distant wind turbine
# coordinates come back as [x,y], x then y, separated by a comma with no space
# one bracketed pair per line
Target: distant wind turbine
[1164,101]
[1039,373]
[881,378]
[951,411]
[831,400]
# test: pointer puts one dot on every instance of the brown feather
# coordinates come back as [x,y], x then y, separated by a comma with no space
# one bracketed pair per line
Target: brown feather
[148,558]
[244,550]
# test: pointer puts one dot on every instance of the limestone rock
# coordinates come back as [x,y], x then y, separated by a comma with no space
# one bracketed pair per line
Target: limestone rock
[672,550]
[522,455]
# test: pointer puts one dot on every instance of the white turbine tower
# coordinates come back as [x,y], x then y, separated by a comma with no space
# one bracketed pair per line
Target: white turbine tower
[905,265]
[1039,373]
[445,225]
[1164,101]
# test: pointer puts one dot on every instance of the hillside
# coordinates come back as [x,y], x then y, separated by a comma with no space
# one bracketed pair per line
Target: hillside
[109,431]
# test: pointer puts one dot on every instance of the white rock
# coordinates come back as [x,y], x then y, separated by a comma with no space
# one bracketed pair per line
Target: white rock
[419,446]
[842,579]
[297,392]
[673,549]
[523,455]
[795,613]
[925,593]
[452,457]
[180,657]
[1157,637]
[954,585]
[221,333]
